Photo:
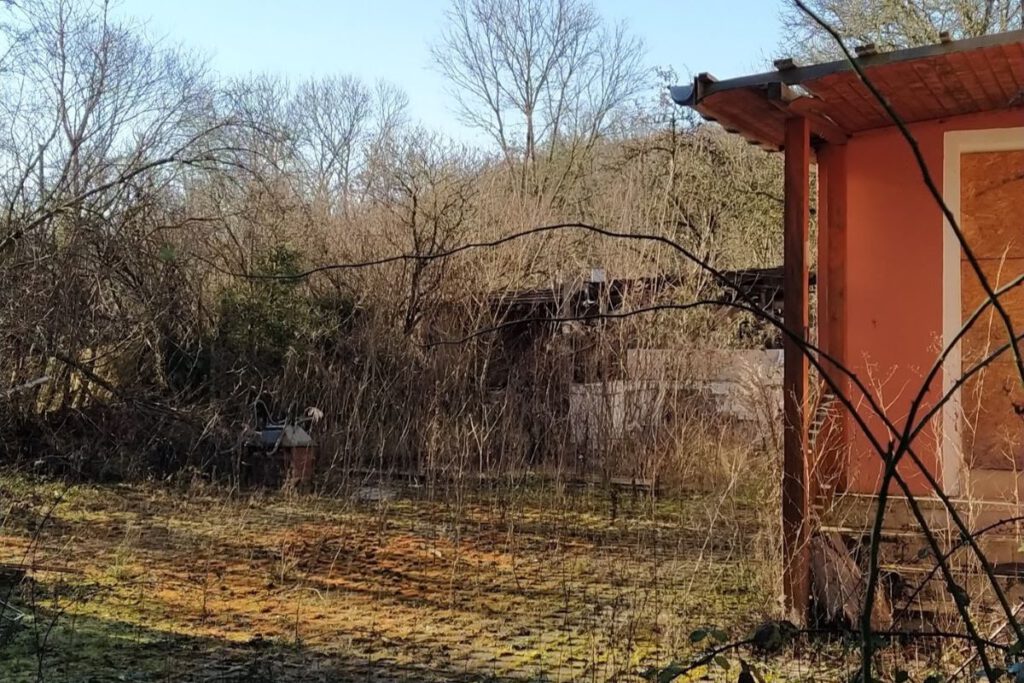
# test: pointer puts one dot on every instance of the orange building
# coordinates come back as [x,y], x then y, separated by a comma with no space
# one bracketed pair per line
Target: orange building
[894,283]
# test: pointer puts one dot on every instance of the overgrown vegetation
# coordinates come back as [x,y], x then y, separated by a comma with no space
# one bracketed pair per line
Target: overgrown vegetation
[187,257]
[156,218]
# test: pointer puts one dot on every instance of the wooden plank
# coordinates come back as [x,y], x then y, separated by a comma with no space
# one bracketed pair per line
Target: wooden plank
[795,477]
[856,512]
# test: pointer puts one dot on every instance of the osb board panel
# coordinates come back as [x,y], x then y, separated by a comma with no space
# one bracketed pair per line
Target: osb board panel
[989,331]
[992,219]
[992,203]
[993,405]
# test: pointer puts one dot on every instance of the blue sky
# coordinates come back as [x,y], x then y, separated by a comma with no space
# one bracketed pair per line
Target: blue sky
[390,39]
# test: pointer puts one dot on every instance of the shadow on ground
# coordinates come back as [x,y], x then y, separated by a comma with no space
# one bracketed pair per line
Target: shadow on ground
[91,650]
[153,584]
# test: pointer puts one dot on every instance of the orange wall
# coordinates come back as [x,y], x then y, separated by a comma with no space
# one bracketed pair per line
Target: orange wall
[894,279]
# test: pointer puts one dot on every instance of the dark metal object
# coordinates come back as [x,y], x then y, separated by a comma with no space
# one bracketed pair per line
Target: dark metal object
[283,454]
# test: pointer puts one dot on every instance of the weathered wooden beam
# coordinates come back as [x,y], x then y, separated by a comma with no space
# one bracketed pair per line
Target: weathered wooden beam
[784,64]
[794,102]
[867,50]
[796,517]
[824,126]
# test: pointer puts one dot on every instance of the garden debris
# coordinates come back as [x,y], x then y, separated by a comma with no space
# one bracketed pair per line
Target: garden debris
[838,585]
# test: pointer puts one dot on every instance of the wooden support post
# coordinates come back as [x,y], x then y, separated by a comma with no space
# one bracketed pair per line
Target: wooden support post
[825,178]
[818,442]
[795,470]
[830,467]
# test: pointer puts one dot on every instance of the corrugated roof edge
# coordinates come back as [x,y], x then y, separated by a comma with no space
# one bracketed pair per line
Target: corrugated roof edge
[704,85]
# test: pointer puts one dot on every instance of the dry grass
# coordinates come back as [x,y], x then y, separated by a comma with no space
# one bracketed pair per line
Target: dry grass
[521,584]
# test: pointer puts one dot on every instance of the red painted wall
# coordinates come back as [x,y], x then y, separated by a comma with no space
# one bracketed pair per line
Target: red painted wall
[894,280]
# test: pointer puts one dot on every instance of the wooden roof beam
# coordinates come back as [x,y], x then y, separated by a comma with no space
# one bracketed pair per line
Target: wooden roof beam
[796,101]
[822,125]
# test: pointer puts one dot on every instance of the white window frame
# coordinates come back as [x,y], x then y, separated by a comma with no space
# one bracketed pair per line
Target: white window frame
[956,144]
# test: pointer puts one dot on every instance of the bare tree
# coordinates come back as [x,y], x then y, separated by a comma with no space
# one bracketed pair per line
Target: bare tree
[892,24]
[389,120]
[428,191]
[322,136]
[330,117]
[88,105]
[101,131]
[260,104]
[542,78]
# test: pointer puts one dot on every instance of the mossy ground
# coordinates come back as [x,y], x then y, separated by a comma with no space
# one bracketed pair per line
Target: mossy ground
[150,583]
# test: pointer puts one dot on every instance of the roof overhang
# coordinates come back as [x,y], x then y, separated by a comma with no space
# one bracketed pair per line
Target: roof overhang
[950,78]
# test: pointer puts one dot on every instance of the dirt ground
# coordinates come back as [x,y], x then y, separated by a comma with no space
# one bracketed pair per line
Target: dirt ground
[152,583]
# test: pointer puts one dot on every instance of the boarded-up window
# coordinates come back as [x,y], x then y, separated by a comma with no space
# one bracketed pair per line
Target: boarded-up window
[992,218]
